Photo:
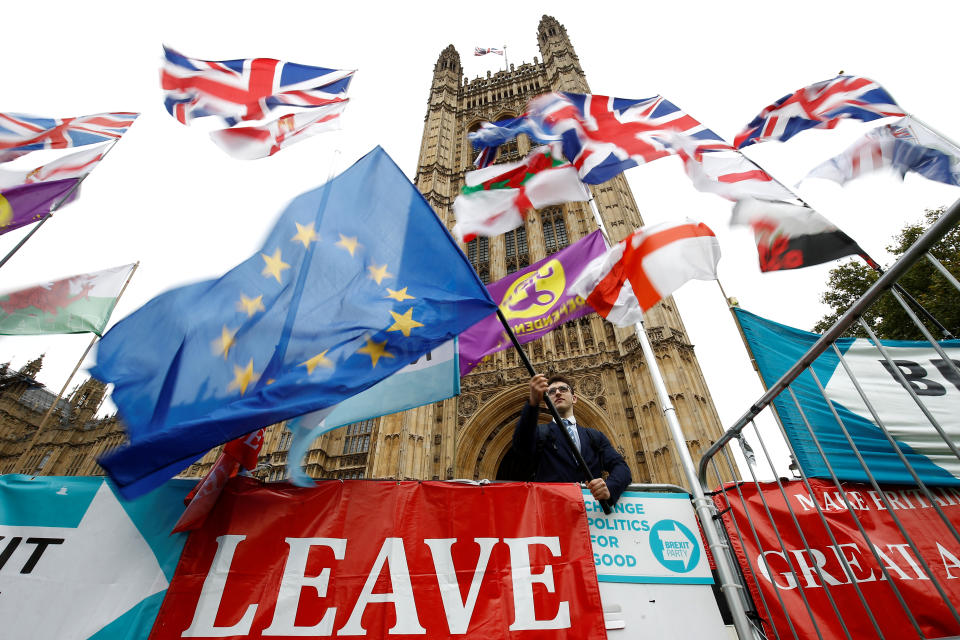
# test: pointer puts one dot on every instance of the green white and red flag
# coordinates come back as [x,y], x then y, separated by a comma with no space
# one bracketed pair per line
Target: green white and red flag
[78,304]
[496,199]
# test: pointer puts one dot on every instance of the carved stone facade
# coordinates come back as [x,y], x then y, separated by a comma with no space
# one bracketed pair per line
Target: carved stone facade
[467,436]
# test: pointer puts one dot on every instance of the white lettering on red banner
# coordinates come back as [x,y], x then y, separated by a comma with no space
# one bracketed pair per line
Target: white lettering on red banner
[348,559]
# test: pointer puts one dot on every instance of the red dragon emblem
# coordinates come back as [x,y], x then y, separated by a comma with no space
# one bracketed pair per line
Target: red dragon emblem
[49,298]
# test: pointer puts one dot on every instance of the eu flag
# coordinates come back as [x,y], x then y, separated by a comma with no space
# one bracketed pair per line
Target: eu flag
[357,279]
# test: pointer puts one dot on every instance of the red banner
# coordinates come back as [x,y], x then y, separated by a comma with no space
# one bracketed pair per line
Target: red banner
[387,559]
[791,572]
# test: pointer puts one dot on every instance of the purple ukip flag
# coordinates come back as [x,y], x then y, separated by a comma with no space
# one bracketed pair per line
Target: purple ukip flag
[535,301]
[28,203]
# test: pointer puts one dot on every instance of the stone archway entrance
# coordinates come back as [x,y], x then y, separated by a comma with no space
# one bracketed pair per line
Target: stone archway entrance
[483,445]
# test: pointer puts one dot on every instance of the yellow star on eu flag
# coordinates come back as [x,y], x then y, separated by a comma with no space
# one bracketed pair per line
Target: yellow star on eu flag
[250,305]
[348,242]
[274,266]
[305,234]
[226,340]
[377,274]
[404,322]
[319,360]
[375,350]
[242,377]
[399,296]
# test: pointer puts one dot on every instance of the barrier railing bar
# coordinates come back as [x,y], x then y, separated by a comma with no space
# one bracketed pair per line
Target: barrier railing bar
[806,546]
[929,238]
[883,497]
[943,270]
[895,370]
[763,558]
[926,334]
[895,445]
[826,526]
[748,604]
[856,519]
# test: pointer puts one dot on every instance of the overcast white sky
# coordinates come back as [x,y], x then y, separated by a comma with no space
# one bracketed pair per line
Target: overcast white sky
[168,197]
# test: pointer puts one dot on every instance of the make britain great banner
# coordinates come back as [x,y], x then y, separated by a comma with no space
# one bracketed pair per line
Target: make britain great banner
[790,574]
[427,560]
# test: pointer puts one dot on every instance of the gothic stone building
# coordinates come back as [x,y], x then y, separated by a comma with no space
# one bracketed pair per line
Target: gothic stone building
[469,436]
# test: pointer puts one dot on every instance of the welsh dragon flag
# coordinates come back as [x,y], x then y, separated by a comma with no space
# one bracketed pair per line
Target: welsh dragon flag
[496,199]
[79,304]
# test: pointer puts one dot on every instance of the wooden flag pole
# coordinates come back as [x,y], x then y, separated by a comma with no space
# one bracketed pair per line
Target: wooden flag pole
[581,463]
[63,389]
[54,208]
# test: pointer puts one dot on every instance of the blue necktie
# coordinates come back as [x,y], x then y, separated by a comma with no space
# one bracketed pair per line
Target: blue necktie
[572,430]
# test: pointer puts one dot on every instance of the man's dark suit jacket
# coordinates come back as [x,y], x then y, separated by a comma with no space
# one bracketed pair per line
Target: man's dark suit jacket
[555,461]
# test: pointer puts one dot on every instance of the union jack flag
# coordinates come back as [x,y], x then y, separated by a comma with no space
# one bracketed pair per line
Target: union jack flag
[245,89]
[20,134]
[480,51]
[604,136]
[821,105]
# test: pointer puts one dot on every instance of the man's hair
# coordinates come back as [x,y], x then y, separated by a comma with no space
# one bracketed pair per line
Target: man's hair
[564,380]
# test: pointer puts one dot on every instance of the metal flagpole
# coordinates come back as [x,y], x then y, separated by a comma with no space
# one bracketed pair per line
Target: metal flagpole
[63,389]
[56,206]
[703,505]
[581,463]
[506,65]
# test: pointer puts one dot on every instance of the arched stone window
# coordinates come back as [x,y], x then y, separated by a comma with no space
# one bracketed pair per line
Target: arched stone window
[516,249]
[554,229]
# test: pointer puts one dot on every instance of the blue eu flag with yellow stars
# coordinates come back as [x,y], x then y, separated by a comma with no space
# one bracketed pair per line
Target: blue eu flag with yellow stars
[357,279]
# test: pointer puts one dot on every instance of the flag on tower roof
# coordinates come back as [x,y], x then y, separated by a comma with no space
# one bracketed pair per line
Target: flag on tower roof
[358,279]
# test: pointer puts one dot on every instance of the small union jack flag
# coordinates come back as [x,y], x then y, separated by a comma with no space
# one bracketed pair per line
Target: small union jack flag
[480,51]
[822,106]
[20,134]
[245,89]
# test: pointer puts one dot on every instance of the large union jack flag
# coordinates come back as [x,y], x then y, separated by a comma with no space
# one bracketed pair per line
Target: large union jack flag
[245,89]
[602,136]
[20,134]
[821,105]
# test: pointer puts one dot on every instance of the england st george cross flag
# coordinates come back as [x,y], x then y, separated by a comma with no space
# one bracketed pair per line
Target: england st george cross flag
[776,347]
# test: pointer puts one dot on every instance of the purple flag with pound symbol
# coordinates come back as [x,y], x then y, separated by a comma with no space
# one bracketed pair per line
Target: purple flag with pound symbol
[535,301]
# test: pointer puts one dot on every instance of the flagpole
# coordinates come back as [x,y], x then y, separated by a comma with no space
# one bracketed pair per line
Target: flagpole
[704,506]
[56,206]
[63,389]
[506,65]
[581,463]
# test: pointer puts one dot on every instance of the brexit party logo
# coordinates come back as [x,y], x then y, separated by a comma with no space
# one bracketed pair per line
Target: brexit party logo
[674,546]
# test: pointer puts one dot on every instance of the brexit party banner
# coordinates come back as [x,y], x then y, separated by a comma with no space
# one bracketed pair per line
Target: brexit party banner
[777,347]
[653,568]
[534,301]
[824,566]
[77,562]
[432,560]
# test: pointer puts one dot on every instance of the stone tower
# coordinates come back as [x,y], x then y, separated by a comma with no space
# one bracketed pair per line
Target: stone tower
[469,436]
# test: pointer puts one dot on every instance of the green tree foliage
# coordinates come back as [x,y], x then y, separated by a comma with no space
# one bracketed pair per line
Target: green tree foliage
[886,317]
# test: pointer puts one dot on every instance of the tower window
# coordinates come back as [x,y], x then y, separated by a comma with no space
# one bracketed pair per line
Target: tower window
[358,437]
[516,249]
[554,229]
[478,252]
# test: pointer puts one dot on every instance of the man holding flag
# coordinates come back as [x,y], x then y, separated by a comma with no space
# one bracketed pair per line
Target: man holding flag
[548,451]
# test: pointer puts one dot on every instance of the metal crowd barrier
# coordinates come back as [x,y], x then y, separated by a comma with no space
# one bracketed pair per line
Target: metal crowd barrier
[805,592]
